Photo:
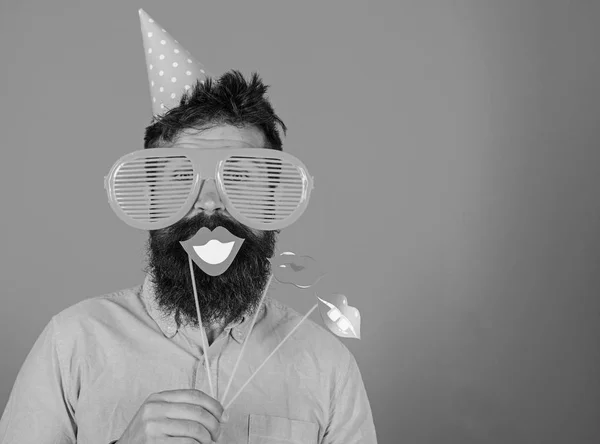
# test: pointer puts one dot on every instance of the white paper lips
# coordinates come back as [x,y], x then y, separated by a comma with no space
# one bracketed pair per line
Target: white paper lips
[341,319]
[213,251]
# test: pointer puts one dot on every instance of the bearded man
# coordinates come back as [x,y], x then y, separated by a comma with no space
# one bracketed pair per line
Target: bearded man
[135,367]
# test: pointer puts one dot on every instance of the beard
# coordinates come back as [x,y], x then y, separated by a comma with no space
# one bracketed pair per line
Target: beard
[222,299]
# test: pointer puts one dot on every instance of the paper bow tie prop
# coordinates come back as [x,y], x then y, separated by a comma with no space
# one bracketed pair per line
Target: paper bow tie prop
[172,70]
[340,318]
[301,271]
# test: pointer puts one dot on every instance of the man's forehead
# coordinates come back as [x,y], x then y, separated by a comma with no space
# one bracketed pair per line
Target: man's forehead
[220,137]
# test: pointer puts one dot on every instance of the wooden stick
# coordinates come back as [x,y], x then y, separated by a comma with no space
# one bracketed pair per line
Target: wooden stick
[272,353]
[237,362]
[202,332]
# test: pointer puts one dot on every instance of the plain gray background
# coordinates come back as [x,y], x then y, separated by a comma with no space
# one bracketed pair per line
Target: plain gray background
[455,152]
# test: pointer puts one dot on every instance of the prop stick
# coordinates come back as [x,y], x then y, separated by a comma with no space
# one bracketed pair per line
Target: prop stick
[246,338]
[272,353]
[202,333]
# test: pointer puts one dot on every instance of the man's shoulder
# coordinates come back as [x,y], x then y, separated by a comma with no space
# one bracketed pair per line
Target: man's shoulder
[309,335]
[102,307]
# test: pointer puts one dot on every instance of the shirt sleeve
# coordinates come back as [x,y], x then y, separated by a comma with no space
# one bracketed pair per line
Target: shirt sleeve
[38,409]
[351,420]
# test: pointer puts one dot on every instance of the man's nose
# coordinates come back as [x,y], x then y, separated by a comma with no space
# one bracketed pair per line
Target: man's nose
[208,199]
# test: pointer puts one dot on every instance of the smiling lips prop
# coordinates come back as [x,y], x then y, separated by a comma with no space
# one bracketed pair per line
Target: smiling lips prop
[340,318]
[213,251]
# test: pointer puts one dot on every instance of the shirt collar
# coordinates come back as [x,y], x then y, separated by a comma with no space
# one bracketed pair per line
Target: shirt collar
[168,324]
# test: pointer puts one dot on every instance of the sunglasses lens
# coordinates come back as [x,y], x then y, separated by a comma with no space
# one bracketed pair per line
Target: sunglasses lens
[263,190]
[152,189]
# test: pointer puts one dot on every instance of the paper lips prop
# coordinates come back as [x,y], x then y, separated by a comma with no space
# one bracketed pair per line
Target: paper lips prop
[301,271]
[341,319]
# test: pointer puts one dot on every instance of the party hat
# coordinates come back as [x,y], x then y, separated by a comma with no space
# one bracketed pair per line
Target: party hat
[172,70]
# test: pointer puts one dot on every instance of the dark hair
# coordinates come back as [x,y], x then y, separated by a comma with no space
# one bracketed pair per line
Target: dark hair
[231,100]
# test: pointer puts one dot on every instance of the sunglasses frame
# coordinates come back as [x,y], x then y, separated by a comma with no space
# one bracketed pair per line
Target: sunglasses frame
[208,163]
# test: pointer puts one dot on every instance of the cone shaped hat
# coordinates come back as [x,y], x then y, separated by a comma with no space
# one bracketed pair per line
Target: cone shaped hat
[172,70]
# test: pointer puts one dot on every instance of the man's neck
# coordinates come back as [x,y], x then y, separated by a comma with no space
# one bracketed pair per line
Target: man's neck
[213,332]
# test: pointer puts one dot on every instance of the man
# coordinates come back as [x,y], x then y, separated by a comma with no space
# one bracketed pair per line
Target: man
[129,367]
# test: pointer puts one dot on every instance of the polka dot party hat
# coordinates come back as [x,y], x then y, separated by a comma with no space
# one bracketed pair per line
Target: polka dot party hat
[172,70]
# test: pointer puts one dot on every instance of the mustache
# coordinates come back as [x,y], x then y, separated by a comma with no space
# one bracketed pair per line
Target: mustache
[186,228]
